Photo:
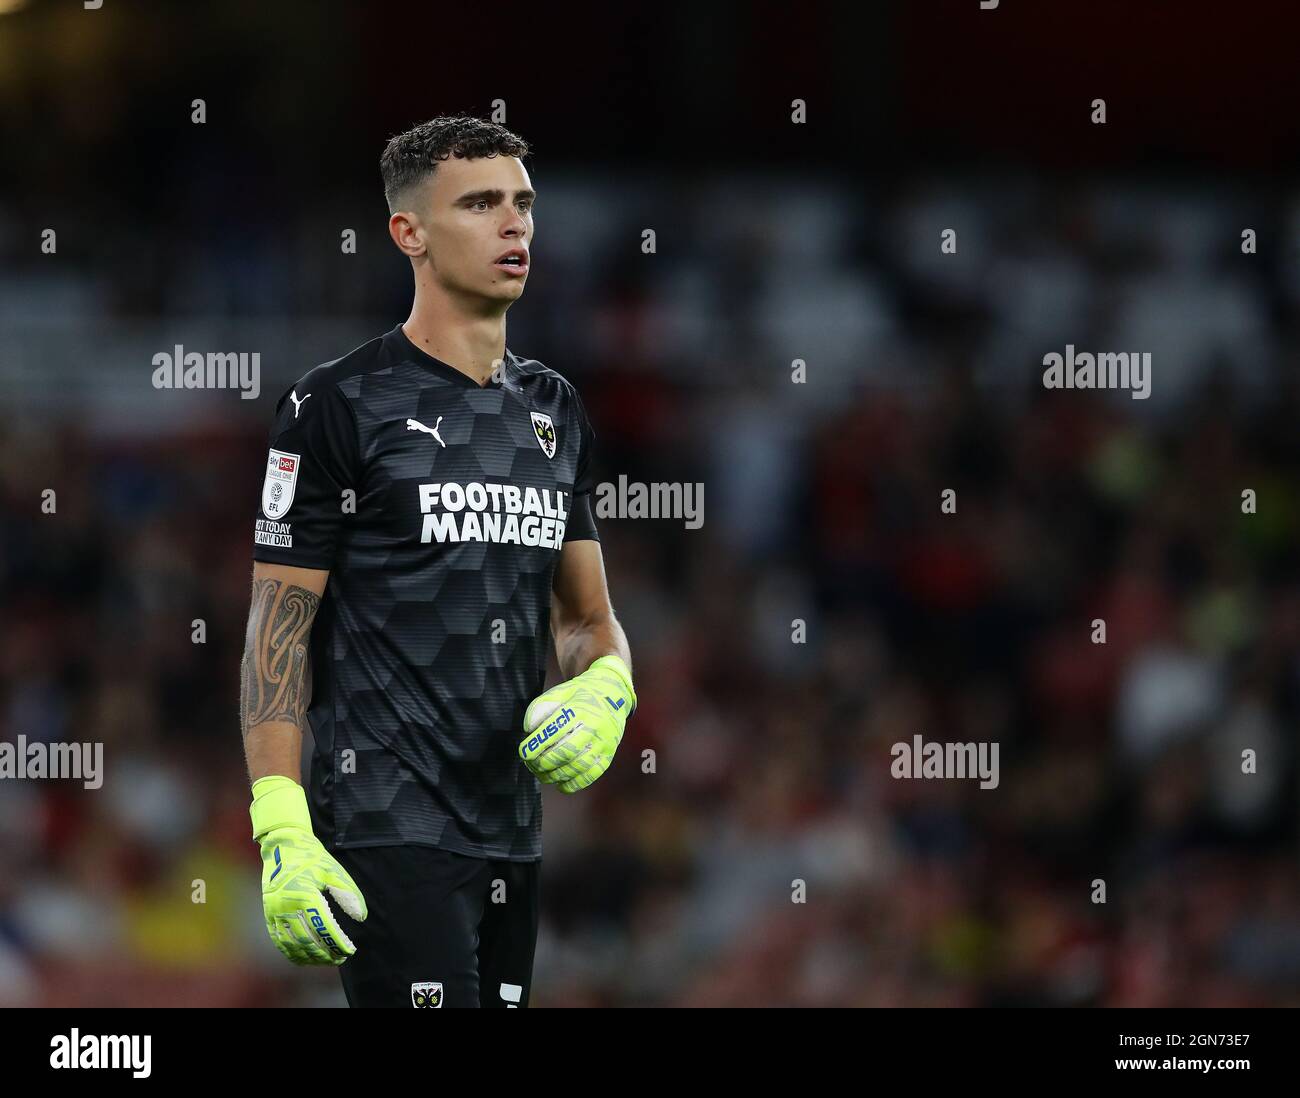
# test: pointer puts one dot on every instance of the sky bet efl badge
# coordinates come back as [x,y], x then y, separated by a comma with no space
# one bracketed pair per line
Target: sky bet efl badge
[277,489]
[545,431]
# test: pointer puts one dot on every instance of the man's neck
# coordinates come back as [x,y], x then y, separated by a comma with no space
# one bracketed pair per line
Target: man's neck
[474,345]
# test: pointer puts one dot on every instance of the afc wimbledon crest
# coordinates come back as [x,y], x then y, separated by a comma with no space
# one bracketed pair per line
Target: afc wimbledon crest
[426,995]
[545,431]
[277,489]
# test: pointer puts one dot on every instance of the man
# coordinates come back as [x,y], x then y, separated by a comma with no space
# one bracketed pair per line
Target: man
[425,515]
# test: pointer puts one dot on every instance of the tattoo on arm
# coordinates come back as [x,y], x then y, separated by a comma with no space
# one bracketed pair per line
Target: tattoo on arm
[275,667]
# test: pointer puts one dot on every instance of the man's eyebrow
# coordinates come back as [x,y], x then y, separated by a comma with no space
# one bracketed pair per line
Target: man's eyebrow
[493,196]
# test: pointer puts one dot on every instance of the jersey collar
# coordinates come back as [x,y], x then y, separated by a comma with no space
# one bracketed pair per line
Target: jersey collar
[408,351]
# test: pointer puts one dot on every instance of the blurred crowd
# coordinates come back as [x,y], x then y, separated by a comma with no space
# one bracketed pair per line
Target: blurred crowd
[749,847]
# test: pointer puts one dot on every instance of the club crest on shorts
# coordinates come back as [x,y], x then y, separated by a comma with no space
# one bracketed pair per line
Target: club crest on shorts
[544,429]
[426,994]
[277,488]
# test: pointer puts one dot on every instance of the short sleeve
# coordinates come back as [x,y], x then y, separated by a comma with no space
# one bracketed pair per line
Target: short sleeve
[582,522]
[313,458]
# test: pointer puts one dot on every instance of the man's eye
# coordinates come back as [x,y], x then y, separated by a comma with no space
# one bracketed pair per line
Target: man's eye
[525,206]
[481,202]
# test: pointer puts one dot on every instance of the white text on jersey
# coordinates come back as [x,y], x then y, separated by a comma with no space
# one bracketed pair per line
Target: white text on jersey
[503,513]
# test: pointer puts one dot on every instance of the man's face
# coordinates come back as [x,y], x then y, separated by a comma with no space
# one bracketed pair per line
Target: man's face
[477,221]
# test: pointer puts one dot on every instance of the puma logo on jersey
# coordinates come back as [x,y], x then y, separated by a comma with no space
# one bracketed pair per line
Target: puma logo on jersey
[416,425]
[297,404]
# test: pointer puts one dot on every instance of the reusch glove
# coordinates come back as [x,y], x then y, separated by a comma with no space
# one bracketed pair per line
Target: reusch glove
[297,871]
[572,731]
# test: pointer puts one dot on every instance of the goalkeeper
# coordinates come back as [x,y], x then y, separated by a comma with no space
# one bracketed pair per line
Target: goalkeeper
[425,532]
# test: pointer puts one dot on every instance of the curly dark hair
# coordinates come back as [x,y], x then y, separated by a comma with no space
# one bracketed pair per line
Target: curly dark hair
[411,157]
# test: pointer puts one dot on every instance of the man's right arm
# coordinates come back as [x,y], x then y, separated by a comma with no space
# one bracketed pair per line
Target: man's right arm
[312,462]
[297,871]
[275,674]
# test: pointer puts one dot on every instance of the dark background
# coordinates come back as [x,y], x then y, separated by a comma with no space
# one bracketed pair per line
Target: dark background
[775,241]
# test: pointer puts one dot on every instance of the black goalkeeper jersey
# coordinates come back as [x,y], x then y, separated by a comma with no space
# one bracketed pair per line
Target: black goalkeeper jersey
[439,508]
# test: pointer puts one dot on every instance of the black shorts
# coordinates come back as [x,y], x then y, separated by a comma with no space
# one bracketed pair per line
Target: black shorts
[443,929]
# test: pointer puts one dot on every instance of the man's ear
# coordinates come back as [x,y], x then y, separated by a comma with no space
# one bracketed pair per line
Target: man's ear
[404,229]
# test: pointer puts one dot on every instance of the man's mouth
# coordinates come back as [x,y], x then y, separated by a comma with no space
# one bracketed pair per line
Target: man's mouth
[515,261]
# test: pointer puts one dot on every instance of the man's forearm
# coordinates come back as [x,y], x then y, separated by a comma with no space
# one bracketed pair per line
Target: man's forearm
[275,679]
[273,747]
[577,648]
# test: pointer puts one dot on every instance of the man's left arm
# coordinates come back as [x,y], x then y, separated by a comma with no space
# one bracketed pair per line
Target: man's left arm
[582,619]
[572,730]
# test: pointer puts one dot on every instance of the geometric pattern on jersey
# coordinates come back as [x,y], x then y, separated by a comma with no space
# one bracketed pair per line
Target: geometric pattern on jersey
[433,633]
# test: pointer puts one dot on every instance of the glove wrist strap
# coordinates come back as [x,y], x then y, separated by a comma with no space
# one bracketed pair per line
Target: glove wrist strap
[615,664]
[278,802]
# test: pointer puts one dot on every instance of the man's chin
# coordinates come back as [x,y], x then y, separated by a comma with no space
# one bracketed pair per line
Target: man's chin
[507,291]
[494,295]
[504,285]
